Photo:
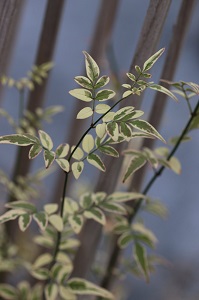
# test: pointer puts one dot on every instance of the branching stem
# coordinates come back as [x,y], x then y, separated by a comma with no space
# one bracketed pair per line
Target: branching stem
[116,251]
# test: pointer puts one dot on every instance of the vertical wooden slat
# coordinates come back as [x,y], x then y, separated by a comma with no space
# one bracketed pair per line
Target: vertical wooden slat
[149,37]
[8,14]
[47,44]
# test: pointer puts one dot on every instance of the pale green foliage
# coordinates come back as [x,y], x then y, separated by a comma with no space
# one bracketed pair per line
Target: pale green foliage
[59,224]
[35,76]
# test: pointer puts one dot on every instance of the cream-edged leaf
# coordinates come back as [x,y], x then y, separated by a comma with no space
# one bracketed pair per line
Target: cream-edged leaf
[102,108]
[78,154]
[88,143]
[95,214]
[63,163]
[84,113]
[81,286]
[81,94]
[135,164]
[144,126]
[34,151]
[62,150]
[104,95]
[101,130]
[92,69]
[151,60]
[76,222]
[41,219]
[24,221]
[77,168]
[102,81]
[46,140]
[56,221]
[84,82]
[51,208]
[49,157]
[96,161]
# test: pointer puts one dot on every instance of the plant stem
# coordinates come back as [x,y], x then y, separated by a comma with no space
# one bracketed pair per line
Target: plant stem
[116,251]
[56,250]
[66,179]
[21,104]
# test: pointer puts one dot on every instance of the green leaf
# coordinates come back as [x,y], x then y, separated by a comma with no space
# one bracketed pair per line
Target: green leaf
[124,196]
[78,154]
[162,151]
[42,260]
[11,215]
[141,259]
[34,151]
[77,168]
[163,90]
[113,208]
[109,150]
[96,161]
[18,139]
[76,222]
[84,81]
[135,164]
[151,157]
[64,258]
[41,219]
[62,150]
[8,292]
[113,130]
[81,94]
[101,130]
[95,214]
[92,69]
[126,94]
[45,140]
[24,205]
[104,95]
[51,208]
[24,221]
[51,291]
[86,200]
[102,81]
[138,69]
[88,143]
[125,239]
[150,62]
[102,108]
[49,157]
[108,117]
[70,243]
[131,77]
[63,163]
[84,113]
[56,221]
[122,112]
[66,293]
[156,208]
[175,165]
[70,206]
[140,228]
[41,274]
[61,271]
[144,126]
[125,131]
[195,123]
[81,286]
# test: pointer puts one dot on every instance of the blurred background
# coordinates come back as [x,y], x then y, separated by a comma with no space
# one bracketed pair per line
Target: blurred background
[178,235]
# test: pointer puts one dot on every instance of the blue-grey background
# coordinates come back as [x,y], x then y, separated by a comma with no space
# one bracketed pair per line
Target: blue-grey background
[179,235]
